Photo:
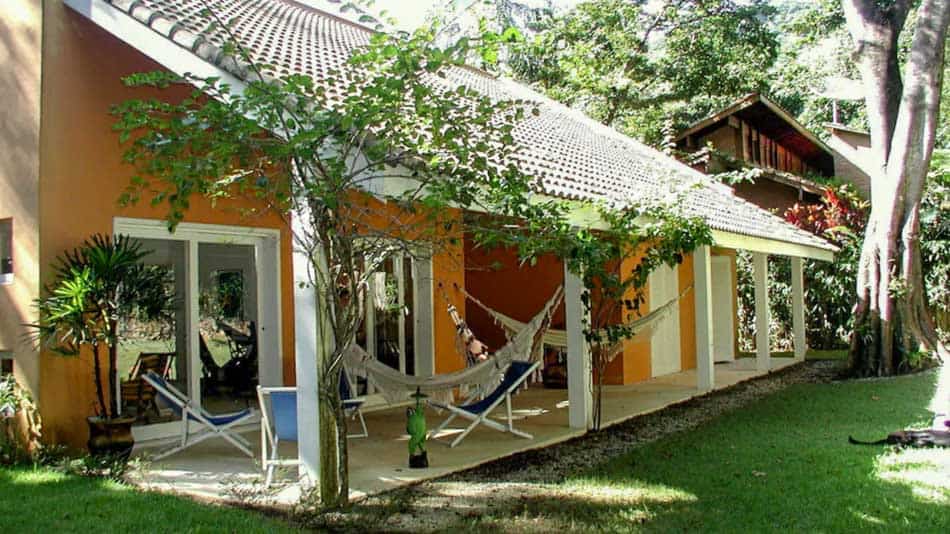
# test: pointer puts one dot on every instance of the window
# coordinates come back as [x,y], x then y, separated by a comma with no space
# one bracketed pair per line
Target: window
[6,362]
[6,251]
[389,325]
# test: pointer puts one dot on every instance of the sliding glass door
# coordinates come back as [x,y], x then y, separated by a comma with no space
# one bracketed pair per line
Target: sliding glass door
[220,336]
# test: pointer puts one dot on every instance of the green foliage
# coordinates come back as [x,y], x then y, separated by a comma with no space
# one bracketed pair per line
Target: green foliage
[95,285]
[636,66]
[19,428]
[829,286]
[935,237]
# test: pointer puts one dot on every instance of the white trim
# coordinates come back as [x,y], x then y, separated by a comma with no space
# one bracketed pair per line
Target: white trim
[399,271]
[192,295]
[205,233]
[266,242]
[760,275]
[705,334]
[151,43]
[798,309]
[665,356]
[732,240]
[724,321]
[423,301]
[579,390]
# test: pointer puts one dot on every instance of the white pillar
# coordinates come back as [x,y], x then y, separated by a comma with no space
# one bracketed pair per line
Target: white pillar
[760,273]
[702,290]
[578,354]
[305,358]
[798,309]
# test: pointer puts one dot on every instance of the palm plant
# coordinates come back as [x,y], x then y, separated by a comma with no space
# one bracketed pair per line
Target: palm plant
[96,285]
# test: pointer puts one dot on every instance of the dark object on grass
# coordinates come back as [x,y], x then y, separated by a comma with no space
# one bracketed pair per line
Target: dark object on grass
[910,438]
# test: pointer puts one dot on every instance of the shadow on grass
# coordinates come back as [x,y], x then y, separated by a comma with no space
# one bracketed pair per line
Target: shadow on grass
[783,463]
[42,500]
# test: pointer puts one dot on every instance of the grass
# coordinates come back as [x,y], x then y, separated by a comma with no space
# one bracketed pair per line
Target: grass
[129,350]
[43,500]
[781,464]
[812,354]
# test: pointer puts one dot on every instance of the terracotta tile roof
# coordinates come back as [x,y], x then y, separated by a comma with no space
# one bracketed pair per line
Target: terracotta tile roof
[573,156]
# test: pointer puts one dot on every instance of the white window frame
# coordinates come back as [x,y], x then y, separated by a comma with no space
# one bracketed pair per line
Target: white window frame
[266,243]
[422,313]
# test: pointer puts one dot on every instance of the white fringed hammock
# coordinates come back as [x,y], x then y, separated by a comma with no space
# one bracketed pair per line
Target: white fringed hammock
[643,327]
[525,344]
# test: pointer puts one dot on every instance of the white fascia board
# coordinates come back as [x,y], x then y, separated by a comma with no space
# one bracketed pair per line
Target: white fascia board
[150,43]
[769,246]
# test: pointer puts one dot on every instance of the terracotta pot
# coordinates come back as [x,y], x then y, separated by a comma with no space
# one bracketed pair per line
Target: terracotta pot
[110,436]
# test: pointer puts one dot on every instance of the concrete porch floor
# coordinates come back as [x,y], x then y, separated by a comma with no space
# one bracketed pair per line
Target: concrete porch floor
[215,470]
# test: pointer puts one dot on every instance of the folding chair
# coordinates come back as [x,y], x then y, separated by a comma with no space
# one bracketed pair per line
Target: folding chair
[135,393]
[352,406]
[477,412]
[278,423]
[216,425]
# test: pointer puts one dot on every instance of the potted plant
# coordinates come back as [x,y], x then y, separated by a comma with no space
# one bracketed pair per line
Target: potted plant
[95,286]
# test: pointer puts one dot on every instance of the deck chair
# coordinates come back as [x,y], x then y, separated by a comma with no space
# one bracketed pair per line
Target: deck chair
[279,421]
[278,424]
[135,392]
[220,426]
[478,411]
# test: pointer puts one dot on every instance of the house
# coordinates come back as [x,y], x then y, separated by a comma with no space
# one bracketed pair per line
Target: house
[792,162]
[61,173]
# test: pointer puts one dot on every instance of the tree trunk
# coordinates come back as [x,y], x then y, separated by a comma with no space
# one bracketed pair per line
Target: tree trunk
[334,492]
[892,320]
[113,368]
[97,372]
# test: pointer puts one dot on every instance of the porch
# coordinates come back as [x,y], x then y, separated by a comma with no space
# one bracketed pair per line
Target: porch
[215,470]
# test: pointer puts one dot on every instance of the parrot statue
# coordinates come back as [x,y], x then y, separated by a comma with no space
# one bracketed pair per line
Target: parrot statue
[416,428]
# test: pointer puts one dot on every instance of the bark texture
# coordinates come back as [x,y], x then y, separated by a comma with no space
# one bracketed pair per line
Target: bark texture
[892,319]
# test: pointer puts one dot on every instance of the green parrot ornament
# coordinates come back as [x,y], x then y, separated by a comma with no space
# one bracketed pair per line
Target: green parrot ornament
[416,428]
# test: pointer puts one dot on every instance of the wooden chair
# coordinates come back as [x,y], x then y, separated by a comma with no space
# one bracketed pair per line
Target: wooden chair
[137,392]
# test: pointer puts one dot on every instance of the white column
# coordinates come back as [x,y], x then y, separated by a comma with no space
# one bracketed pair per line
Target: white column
[578,354]
[798,309]
[702,290]
[305,357]
[760,273]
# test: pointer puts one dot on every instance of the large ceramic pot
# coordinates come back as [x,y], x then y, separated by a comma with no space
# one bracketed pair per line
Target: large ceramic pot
[112,437]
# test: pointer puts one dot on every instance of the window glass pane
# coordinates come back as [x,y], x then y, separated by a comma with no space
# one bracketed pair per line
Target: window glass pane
[6,251]
[227,326]
[408,309]
[385,302]
[156,344]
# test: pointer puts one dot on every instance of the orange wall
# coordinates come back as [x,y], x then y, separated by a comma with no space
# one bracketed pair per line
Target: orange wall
[82,178]
[495,277]
[635,364]
[687,315]
[20,55]
[519,291]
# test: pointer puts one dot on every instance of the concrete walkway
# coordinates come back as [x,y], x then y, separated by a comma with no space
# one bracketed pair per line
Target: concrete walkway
[215,470]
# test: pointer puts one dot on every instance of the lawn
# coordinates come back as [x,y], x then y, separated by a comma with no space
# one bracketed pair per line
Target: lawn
[781,464]
[42,500]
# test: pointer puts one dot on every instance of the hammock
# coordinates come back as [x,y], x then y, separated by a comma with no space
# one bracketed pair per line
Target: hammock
[642,326]
[525,345]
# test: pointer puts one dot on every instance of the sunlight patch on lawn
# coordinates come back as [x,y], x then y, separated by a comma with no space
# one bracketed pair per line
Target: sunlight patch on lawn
[925,471]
